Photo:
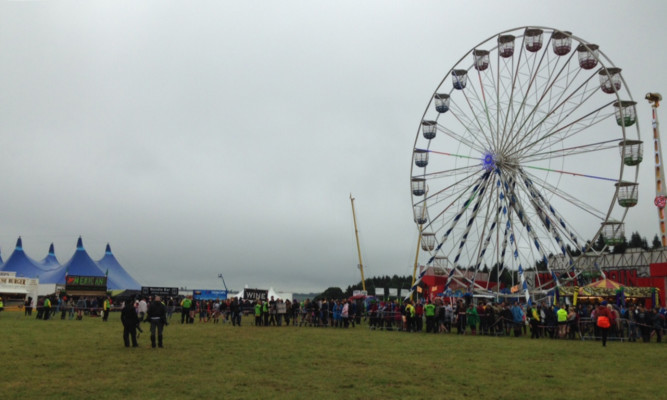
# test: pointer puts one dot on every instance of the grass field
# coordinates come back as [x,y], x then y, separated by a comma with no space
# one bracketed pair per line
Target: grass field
[87,359]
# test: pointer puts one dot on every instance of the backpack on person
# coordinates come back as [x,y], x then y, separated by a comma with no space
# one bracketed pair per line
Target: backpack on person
[603,322]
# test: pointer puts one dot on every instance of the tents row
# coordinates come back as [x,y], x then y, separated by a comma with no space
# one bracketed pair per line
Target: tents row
[50,271]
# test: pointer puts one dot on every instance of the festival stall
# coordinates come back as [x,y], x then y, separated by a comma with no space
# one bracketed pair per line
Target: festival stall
[612,291]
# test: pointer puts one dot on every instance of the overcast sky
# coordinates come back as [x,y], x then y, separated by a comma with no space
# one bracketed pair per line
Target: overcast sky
[207,137]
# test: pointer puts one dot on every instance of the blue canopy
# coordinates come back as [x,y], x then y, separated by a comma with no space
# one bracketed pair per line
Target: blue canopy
[50,261]
[116,273]
[79,264]
[23,265]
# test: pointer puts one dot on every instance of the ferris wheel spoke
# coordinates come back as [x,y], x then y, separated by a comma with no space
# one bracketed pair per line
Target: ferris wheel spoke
[542,95]
[473,137]
[551,190]
[559,133]
[451,196]
[572,151]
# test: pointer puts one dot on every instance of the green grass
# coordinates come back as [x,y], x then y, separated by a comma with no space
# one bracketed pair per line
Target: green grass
[85,359]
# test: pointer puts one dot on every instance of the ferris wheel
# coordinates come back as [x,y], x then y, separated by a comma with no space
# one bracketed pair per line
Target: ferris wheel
[524,164]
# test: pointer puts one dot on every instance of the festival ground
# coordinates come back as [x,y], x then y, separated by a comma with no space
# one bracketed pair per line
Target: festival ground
[69,359]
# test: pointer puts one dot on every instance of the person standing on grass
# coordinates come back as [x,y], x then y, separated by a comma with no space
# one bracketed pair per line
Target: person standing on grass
[429,313]
[130,320]
[561,315]
[258,313]
[345,314]
[472,318]
[28,308]
[534,313]
[603,321]
[106,307]
[658,324]
[157,316]
[46,308]
[143,308]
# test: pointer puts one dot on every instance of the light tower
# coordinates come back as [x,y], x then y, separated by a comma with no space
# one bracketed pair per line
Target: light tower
[660,194]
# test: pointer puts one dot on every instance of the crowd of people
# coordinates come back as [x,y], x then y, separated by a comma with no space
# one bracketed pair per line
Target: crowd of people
[463,316]
[48,307]
[544,320]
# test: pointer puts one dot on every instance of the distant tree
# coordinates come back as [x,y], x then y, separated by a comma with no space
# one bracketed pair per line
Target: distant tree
[599,244]
[656,243]
[621,247]
[331,293]
[635,241]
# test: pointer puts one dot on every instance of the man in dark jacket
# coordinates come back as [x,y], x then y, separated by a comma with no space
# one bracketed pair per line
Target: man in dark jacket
[157,316]
[130,320]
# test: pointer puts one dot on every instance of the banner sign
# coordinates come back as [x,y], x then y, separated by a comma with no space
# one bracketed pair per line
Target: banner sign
[393,292]
[159,291]
[359,293]
[379,292]
[85,283]
[255,294]
[209,294]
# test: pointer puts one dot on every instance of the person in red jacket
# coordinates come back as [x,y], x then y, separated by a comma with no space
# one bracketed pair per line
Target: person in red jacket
[603,321]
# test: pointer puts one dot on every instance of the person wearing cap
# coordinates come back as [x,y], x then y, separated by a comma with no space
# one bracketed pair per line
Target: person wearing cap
[157,316]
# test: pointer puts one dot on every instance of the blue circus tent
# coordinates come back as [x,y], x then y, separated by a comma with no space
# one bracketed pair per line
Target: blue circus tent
[79,264]
[50,262]
[116,273]
[23,265]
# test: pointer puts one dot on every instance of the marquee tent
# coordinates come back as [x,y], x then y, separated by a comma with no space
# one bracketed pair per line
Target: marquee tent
[116,273]
[79,264]
[23,265]
[50,261]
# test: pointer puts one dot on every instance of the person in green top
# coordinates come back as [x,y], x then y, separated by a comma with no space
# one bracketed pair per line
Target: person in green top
[258,313]
[106,307]
[265,312]
[561,314]
[429,313]
[186,303]
[47,308]
[472,318]
[2,305]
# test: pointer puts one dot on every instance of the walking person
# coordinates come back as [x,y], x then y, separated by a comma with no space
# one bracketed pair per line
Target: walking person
[603,321]
[157,315]
[130,320]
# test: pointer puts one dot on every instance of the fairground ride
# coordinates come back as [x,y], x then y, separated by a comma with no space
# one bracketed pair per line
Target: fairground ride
[516,168]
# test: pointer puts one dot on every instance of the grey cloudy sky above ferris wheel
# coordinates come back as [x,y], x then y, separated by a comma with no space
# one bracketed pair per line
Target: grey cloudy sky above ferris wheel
[226,137]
